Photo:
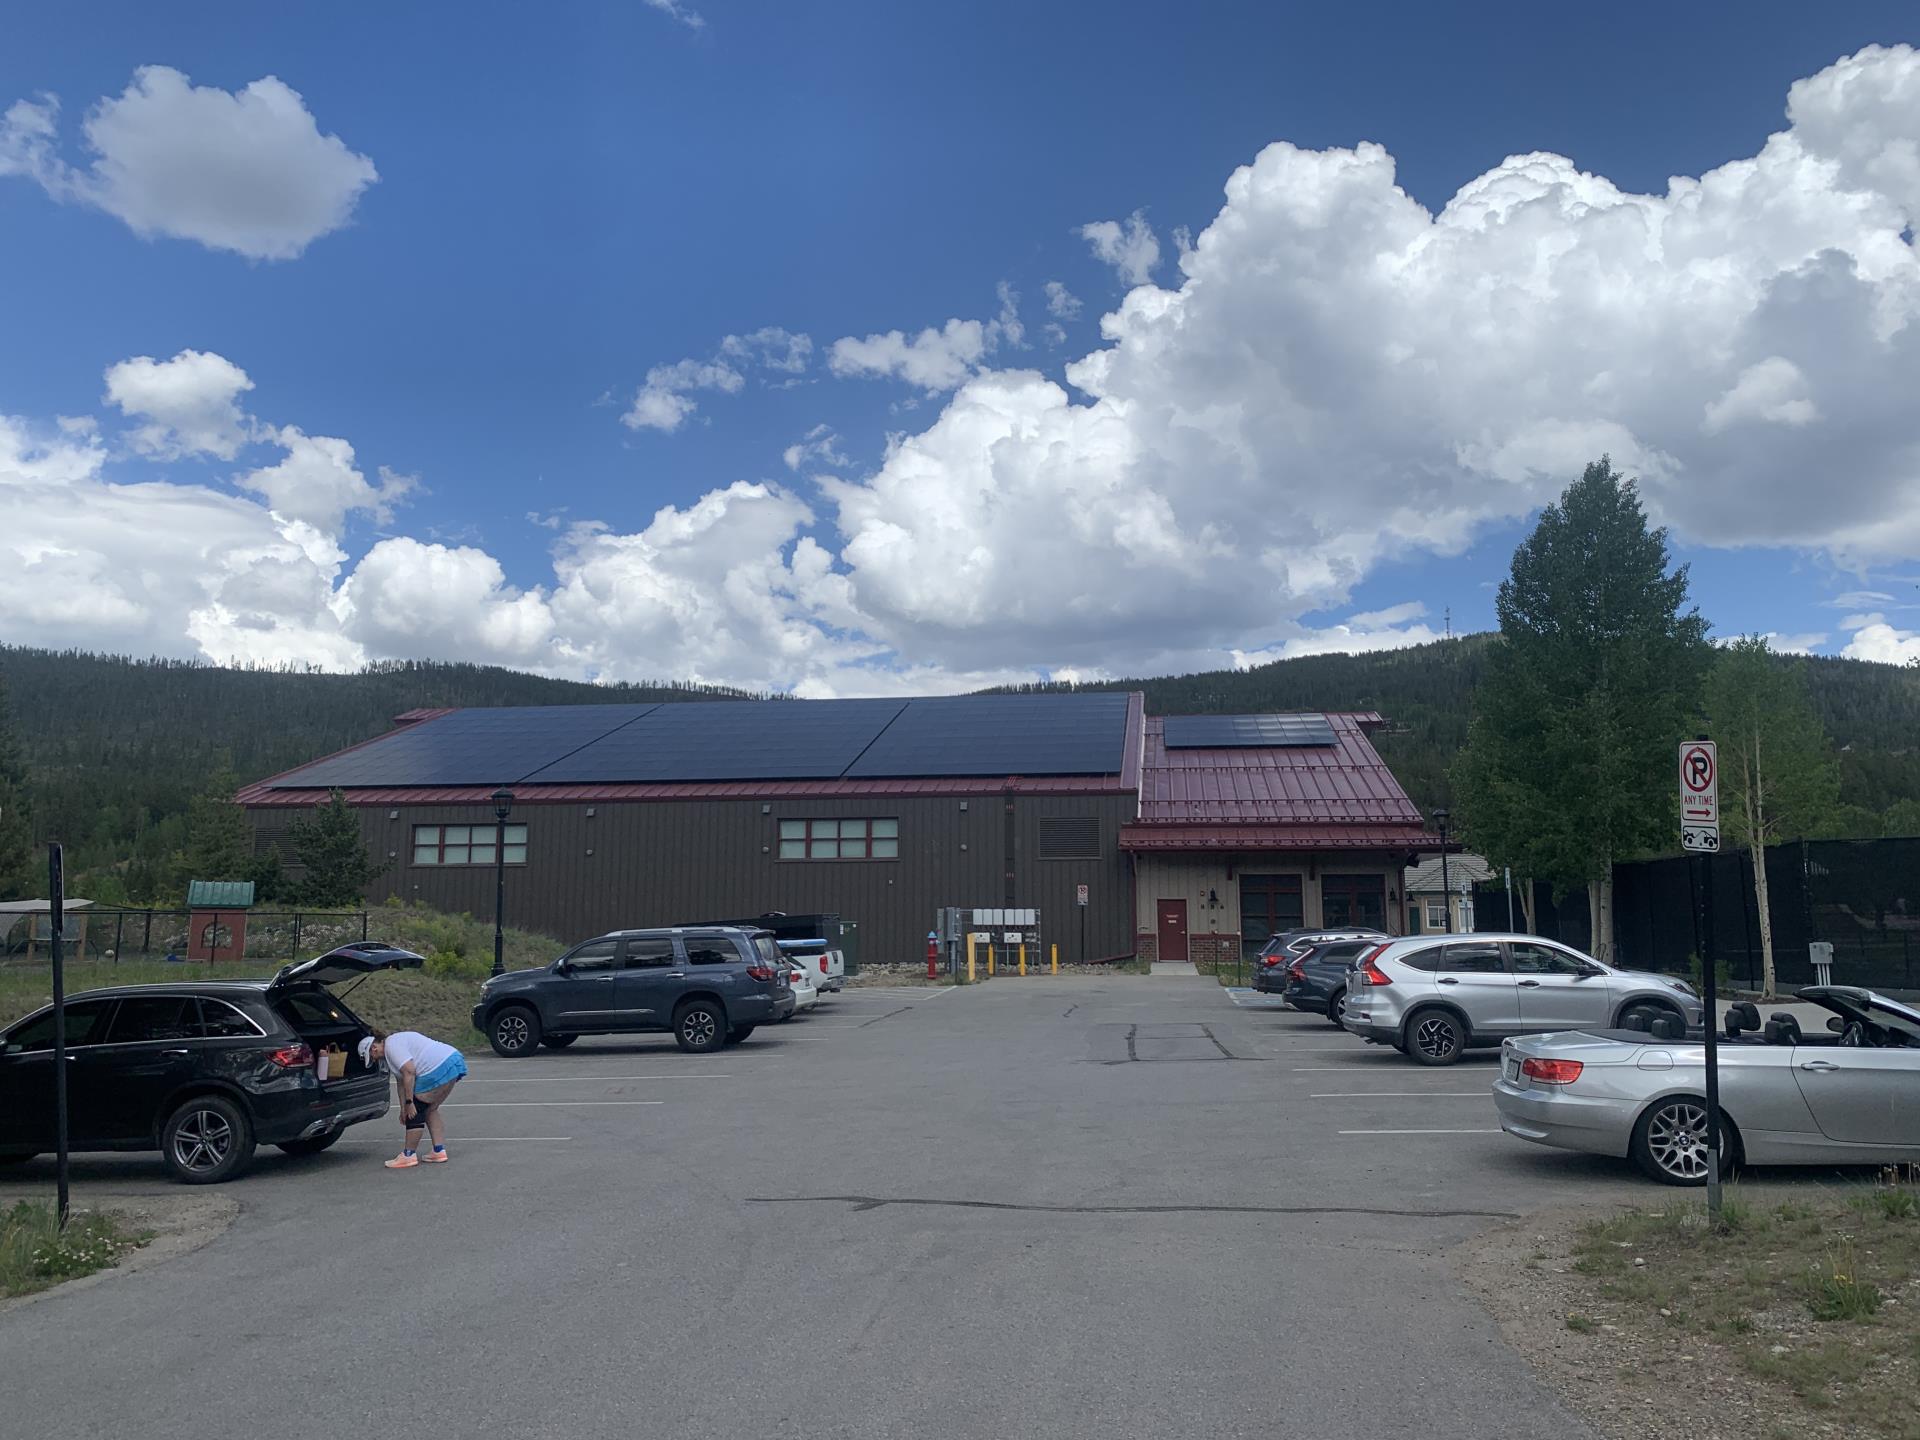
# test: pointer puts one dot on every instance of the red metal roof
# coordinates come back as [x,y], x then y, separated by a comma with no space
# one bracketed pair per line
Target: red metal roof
[1272,797]
[1273,837]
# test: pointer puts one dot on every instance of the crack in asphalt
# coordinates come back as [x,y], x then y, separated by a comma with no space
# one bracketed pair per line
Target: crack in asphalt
[880,1202]
[878,1018]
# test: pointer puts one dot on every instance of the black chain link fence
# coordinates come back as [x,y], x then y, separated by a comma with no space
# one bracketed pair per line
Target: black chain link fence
[109,934]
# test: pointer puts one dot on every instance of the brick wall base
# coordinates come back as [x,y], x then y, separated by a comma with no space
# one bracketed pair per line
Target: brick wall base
[1213,949]
[1146,945]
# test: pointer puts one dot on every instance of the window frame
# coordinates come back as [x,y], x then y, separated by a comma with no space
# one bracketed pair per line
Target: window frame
[804,839]
[612,959]
[628,960]
[441,844]
[106,1007]
[190,1002]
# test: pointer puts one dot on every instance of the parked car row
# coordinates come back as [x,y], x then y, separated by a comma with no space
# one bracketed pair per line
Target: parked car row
[1612,1061]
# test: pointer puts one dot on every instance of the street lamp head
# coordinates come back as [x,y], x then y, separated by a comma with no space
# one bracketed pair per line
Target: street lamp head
[1440,818]
[503,803]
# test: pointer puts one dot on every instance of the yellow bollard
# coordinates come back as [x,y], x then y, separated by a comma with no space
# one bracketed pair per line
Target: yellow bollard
[1055,949]
[990,948]
[971,978]
[1023,959]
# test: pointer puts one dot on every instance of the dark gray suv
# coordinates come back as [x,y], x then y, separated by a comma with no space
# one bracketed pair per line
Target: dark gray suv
[707,984]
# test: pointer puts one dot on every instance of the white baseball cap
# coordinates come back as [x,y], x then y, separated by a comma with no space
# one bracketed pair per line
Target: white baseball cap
[366,1049]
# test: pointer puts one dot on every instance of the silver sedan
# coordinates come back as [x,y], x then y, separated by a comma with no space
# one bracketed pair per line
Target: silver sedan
[1848,1094]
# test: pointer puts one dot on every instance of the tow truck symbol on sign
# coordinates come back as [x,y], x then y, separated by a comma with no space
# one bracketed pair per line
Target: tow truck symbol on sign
[1704,838]
[1699,797]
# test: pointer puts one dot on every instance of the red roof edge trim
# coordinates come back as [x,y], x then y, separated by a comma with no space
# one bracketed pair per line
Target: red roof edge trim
[425,712]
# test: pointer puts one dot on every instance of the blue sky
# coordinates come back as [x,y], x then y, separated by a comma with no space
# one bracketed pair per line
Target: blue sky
[572,198]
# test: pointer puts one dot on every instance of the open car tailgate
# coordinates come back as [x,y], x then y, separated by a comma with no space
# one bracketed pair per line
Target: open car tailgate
[347,962]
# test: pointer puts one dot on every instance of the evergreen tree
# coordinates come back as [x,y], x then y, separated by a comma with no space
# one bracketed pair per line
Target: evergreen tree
[1779,779]
[1595,678]
[1902,819]
[23,873]
[327,844]
[219,839]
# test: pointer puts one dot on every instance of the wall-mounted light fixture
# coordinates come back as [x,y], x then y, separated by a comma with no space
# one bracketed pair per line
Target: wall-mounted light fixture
[393,814]
[589,812]
[766,809]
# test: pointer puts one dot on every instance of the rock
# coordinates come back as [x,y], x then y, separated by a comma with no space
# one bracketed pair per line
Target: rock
[1639,1260]
[1666,1313]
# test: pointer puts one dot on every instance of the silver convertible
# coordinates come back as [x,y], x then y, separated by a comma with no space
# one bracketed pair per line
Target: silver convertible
[1845,1095]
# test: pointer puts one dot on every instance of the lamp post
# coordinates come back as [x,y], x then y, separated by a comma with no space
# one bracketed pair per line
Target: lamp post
[1446,886]
[502,807]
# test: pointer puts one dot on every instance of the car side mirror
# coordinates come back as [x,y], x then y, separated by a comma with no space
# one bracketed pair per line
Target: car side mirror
[561,967]
[1836,1025]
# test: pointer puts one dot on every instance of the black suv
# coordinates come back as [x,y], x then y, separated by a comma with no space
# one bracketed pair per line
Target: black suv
[202,1071]
[707,984]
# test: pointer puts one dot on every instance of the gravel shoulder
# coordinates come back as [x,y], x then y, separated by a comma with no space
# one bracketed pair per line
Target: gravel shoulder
[178,1221]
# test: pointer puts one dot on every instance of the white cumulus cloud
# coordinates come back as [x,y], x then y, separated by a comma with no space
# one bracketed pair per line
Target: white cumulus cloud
[246,171]
[318,483]
[1127,245]
[191,403]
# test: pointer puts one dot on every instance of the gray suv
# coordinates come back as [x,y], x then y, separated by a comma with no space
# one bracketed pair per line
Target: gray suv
[1436,996]
[707,984]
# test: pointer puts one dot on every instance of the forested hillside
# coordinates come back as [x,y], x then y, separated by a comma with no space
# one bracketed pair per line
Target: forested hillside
[116,748]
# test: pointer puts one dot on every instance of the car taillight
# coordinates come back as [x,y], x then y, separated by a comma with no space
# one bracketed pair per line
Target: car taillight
[1552,1072]
[761,973]
[823,964]
[1297,970]
[1273,959]
[1372,974]
[293,1057]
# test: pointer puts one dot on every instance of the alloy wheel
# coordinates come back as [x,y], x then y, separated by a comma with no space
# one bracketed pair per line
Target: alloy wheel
[1339,1007]
[511,1031]
[1435,1037]
[699,1026]
[1677,1139]
[202,1141]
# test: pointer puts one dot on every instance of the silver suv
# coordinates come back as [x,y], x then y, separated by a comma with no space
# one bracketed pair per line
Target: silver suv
[1435,996]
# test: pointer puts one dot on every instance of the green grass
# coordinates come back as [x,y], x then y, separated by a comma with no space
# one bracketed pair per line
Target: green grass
[1831,1259]
[35,1253]
[1582,1324]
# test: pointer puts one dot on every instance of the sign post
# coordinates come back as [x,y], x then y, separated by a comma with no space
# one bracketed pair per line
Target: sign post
[56,923]
[1080,899]
[1700,835]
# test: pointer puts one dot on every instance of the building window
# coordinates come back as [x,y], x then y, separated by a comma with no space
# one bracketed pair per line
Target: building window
[1353,901]
[840,839]
[466,844]
[1070,837]
[1436,917]
[1269,905]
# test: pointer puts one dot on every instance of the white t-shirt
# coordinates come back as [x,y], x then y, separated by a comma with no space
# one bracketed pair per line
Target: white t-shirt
[426,1053]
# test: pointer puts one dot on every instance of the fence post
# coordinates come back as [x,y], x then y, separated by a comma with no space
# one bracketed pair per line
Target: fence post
[363,927]
[119,934]
[296,936]
[146,943]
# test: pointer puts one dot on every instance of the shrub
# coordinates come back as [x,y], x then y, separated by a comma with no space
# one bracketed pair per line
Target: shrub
[452,965]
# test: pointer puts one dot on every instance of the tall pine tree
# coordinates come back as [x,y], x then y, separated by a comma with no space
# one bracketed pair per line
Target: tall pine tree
[1779,779]
[1595,678]
[327,844]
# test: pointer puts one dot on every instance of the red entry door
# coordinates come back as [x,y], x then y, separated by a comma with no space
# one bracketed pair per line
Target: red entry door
[1173,930]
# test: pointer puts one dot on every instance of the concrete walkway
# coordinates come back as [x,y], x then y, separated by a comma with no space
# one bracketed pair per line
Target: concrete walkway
[1173,967]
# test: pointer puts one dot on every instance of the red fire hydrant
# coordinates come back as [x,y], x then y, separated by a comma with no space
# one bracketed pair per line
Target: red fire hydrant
[933,956]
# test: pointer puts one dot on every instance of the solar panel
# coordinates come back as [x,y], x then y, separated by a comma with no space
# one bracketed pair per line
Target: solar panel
[730,740]
[1001,735]
[1246,732]
[495,746]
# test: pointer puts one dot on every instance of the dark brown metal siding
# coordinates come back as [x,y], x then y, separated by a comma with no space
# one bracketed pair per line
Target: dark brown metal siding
[633,864]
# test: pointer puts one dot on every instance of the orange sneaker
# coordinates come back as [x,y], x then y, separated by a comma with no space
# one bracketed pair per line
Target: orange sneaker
[403,1162]
[434,1157]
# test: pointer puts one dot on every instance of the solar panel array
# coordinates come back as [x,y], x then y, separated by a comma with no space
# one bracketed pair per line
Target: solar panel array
[1246,732]
[724,740]
[1002,735]
[468,747]
[730,740]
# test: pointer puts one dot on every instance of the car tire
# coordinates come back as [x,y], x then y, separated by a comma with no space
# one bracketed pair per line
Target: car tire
[740,1032]
[1670,1141]
[1336,1008]
[558,1042]
[700,1026]
[1653,1010]
[1435,1036]
[514,1032]
[206,1140]
[313,1144]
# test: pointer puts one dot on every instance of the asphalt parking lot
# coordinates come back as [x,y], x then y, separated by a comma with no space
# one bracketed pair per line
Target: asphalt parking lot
[1060,1207]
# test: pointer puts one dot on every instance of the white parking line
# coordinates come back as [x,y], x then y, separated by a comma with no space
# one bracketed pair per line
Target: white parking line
[509,1139]
[1420,1132]
[586,1075]
[539,1104]
[1402,1095]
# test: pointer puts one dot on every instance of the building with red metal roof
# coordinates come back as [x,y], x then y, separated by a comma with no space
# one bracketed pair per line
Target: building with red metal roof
[1240,840]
